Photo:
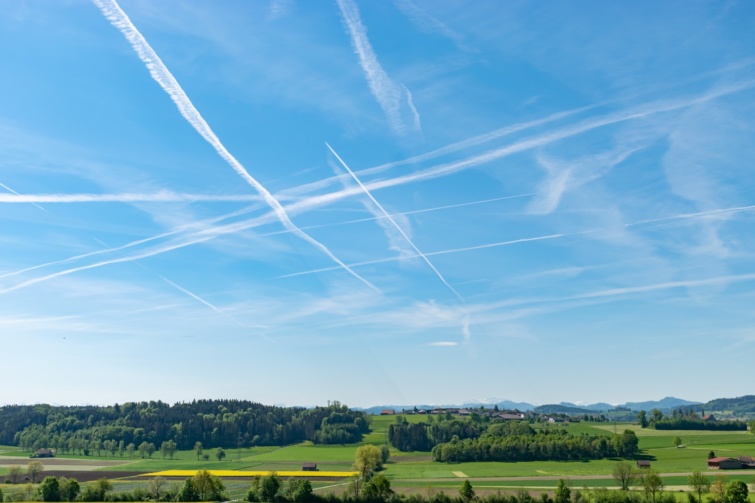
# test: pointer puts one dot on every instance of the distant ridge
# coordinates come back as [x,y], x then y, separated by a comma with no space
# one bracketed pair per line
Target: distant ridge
[740,404]
[666,403]
[503,405]
[562,409]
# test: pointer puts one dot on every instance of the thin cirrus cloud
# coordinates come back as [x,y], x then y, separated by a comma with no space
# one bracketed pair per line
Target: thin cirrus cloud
[160,73]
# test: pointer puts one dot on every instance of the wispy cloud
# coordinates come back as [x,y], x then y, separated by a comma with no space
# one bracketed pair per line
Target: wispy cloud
[443,344]
[278,9]
[165,79]
[429,23]
[563,176]
[394,99]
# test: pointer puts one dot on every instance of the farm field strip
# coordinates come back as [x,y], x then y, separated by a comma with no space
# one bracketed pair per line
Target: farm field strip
[252,473]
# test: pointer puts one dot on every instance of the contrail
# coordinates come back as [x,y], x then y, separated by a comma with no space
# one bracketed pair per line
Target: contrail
[684,216]
[433,172]
[18,195]
[211,306]
[132,243]
[431,254]
[170,85]
[201,233]
[156,197]
[533,142]
[397,226]
[448,149]
[387,93]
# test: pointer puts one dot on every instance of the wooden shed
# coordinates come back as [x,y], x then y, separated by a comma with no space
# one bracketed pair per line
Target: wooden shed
[724,464]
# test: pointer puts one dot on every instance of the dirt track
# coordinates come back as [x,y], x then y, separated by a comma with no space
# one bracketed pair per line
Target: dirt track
[94,463]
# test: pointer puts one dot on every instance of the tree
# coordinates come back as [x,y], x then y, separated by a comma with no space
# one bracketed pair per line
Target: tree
[655,415]
[207,486]
[385,453]
[150,450]
[188,492]
[711,455]
[302,492]
[130,450]
[652,483]
[14,473]
[718,489]
[367,460]
[168,448]
[121,448]
[33,469]
[220,454]
[69,489]
[49,489]
[156,487]
[97,491]
[378,488]
[677,441]
[143,449]
[562,494]
[699,483]
[736,492]
[269,487]
[198,449]
[466,491]
[642,419]
[625,474]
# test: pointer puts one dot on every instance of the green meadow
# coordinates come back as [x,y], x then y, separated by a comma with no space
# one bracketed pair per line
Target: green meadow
[415,471]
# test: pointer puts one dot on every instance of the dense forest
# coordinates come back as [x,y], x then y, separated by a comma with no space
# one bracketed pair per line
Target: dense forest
[686,418]
[542,445]
[686,423]
[214,423]
[737,405]
[478,439]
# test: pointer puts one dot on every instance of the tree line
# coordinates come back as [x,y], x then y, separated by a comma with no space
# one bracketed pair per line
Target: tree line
[213,423]
[478,439]
[685,419]
[542,445]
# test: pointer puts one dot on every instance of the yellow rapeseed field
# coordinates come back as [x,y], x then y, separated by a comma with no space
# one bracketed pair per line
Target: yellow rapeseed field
[243,473]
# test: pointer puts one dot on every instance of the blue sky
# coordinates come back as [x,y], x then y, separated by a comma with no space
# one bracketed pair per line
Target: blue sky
[376,202]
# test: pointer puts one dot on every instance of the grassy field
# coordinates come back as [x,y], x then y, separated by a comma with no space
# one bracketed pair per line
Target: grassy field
[415,471]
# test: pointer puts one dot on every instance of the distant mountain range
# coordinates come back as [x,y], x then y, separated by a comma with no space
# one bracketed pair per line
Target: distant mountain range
[664,404]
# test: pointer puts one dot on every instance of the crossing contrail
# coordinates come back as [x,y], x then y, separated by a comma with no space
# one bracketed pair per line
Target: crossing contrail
[16,194]
[397,226]
[170,85]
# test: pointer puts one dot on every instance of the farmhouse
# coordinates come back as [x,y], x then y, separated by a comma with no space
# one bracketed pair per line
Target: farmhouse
[643,463]
[747,461]
[309,467]
[387,412]
[724,464]
[709,417]
[511,417]
[43,453]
